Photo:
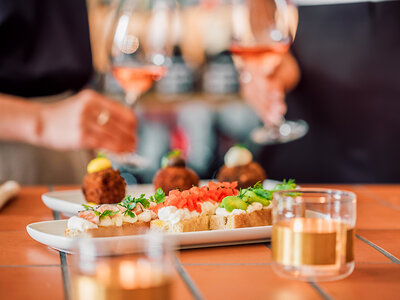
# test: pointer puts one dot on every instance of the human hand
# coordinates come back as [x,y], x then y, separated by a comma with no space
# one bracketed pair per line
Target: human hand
[265,82]
[88,120]
[266,95]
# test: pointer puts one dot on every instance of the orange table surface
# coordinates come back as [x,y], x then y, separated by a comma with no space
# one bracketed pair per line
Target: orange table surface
[29,270]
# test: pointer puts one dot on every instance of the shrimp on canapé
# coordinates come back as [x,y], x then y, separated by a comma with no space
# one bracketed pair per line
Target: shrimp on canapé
[89,215]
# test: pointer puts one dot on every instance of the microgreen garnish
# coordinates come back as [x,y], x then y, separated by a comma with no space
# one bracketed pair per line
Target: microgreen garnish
[258,190]
[159,196]
[130,203]
[130,214]
[285,185]
[108,213]
[173,153]
[100,154]
[263,193]
[240,146]
[258,185]
[143,200]
[257,193]
[88,207]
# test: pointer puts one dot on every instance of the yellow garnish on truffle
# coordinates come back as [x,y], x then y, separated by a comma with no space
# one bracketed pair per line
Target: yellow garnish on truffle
[98,164]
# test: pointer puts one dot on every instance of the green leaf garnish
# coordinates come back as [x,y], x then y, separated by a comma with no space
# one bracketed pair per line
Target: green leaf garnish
[130,203]
[173,153]
[240,146]
[159,196]
[88,207]
[258,185]
[108,213]
[258,194]
[130,213]
[100,154]
[285,185]
[263,193]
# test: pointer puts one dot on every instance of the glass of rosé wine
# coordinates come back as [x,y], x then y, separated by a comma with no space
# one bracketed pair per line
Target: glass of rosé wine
[261,34]
[141,45]
[140,50]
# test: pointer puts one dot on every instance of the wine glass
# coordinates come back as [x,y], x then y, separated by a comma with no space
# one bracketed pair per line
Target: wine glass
[142,45]
[262,31]
[140,53]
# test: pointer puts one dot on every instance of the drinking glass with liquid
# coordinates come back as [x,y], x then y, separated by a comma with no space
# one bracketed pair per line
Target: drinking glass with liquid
[143,270]
[313,234]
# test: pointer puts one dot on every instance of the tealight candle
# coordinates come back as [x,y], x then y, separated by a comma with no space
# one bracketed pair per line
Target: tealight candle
[313,232]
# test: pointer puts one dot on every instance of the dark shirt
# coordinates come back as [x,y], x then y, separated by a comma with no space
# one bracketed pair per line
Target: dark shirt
[349,93]
[44,47]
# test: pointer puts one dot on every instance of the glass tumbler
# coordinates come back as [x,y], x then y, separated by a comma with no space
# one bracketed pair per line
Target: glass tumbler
[140,269]
[313,233]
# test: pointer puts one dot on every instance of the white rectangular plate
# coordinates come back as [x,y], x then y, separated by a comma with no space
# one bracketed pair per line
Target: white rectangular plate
[51,233]
[70,202]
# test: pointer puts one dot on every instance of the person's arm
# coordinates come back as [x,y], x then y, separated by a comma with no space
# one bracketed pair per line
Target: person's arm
[19,120]
[73,123]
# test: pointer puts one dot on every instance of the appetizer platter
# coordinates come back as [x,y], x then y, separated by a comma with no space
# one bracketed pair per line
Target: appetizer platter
[52,234]
[194,213]
[238,162]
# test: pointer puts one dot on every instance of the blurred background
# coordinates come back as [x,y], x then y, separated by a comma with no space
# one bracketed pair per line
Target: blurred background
[196,106]
[201,76]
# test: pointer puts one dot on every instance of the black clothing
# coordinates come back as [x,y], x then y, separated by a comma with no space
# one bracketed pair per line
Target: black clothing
[44,47]
[349,93]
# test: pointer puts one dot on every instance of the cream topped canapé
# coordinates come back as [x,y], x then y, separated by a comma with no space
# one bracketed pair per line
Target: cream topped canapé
[237,156]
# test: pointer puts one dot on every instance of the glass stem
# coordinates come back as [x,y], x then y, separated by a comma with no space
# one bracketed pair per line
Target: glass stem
[131,97]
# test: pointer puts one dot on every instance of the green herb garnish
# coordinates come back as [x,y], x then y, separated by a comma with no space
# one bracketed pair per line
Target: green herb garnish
[258,194]
[130,214]
[173,153]
[263,193]
[143,200]
[285,185]
[159,196]
[240,146]
[108,213]
[130,203]
[88,207]
[100,154]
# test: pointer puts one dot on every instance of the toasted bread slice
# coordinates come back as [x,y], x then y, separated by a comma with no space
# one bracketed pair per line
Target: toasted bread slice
[260,217]
[199,223]
[107,231]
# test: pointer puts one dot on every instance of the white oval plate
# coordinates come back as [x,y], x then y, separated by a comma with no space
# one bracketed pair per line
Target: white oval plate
[51,233]
[70,202]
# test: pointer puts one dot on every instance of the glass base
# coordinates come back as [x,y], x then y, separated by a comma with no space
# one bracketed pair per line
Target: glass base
[286,132]
[314,273]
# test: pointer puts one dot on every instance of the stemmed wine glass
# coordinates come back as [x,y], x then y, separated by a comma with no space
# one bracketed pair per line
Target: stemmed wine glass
[140,52]
[262,31]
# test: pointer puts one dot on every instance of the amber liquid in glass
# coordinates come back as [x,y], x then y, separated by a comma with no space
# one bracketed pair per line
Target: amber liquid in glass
[279,48]
[265,57]
[316,242]
[138,79]
[125,280]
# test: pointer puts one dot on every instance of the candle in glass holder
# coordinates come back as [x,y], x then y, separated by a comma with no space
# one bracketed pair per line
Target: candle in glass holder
[123,280]
[313,232]
[139,269]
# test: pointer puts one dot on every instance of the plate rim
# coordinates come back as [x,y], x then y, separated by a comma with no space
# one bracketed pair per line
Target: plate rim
[57,240]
